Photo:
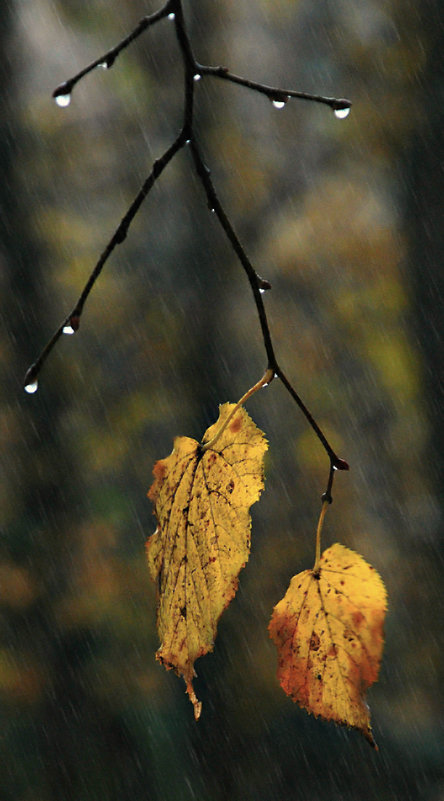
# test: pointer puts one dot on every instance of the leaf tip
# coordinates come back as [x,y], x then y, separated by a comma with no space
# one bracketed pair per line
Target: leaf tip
[197,705]
[368,734]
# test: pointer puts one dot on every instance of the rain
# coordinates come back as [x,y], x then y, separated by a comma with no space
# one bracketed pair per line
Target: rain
[339,209]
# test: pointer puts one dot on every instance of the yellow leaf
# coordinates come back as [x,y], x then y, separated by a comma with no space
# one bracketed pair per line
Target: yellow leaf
[202,498]
[328,630]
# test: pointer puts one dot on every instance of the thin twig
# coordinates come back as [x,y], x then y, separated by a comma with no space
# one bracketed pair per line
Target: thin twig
[255,281]
[108,58]
[273,92]
[73,319]
[187,136]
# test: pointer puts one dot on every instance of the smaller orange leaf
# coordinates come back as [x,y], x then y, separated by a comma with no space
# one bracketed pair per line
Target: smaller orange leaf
[328,630]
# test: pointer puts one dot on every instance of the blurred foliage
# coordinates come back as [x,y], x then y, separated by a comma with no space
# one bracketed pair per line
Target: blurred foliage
[324,209]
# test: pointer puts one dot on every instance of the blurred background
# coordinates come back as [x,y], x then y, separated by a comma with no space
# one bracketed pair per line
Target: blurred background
[344,217]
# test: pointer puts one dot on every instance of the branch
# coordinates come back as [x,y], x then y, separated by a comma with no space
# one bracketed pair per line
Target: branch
[62,93]
[277,95]
[192,70]
[256,282]
[71,323]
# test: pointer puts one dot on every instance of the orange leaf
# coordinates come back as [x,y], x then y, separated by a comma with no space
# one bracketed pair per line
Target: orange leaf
[202,499]
[328,630]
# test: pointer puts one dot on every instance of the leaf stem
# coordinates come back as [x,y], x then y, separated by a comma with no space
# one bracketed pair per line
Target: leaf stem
[267,378]
[324,508]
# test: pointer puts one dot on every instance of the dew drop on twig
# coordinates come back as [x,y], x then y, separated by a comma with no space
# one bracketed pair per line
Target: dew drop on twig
[32,387]
[68,329]
[197,76]
[171,16]
[63,100]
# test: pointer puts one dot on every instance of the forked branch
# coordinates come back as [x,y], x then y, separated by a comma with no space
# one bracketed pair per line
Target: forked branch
[193,72]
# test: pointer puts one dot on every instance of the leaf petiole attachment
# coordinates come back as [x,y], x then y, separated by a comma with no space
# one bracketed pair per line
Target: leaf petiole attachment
[266,379]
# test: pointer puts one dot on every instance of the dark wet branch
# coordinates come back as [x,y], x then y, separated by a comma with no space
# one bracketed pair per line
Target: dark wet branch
[71,323]
[107,60]
[257,283]
[192,70]
[275,93]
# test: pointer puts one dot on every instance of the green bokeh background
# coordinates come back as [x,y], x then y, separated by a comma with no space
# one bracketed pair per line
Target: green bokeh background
[345,219]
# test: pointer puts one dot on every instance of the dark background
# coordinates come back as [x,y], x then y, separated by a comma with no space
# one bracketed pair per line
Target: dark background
[345,219]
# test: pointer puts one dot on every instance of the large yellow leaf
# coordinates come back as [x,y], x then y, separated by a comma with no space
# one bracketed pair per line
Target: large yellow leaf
[328,630]
[202,499]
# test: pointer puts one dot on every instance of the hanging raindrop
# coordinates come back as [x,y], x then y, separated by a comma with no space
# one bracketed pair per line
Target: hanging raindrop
[63,100]
[262,290]
[342,113]
[171,16]
[32,387]
[72,325]
[103,65]
[279,101]
[197,77]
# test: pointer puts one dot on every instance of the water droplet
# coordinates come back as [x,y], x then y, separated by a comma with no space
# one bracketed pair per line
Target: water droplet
[103,65]
[262,291]
[187,141]
[275,375]
[197,77]
[32,387]
[334,467]
[72,325]
[265,385]
[171,16]
[63,101]
[279,101]
[342,113]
